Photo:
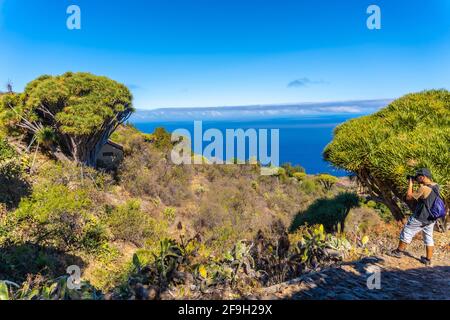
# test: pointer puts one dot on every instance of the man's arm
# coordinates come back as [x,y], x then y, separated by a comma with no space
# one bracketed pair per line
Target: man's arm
[410,193]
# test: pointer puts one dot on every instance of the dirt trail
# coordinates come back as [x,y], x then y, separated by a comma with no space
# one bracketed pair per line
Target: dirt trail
[404,278]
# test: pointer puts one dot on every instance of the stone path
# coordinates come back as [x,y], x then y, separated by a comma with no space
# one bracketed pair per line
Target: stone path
[404,278]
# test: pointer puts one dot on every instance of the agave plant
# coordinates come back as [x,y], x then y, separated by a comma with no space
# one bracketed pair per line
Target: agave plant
[167,257]
[312,247]
[6,289]
[41,289]
[241,257]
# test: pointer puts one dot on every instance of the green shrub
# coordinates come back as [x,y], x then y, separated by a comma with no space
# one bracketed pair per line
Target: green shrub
[309,186]
[13,184]
[56,216]
[292,170]
[162,139]
[371,204]
[129,223]
[6,151]
[381,209]
[110,269]
[299,175]
[169,214]
[282,174]
[69,174]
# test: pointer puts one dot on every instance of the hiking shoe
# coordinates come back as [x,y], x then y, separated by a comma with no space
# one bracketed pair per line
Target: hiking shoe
[396,253]
[425,261]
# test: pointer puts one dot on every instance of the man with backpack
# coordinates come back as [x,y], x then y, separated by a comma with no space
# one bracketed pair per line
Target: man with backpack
[430,207]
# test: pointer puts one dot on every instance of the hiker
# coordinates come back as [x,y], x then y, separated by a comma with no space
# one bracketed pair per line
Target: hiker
[422,219]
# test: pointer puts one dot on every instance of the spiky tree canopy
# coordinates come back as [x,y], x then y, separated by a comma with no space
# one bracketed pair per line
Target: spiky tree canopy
[81,109]
[383,148]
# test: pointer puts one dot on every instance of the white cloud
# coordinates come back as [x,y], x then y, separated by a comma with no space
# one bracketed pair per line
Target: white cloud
[349,107]
[343,109]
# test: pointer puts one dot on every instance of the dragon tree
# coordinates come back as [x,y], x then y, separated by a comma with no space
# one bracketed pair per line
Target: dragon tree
[383,148]
[76,112]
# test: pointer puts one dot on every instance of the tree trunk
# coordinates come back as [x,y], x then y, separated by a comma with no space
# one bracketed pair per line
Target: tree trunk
[381,192]
[389,199]
[85,149]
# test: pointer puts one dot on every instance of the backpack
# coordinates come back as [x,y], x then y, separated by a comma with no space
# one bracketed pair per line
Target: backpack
[438,209]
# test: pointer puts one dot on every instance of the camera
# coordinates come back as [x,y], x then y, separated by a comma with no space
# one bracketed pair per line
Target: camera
[411,177]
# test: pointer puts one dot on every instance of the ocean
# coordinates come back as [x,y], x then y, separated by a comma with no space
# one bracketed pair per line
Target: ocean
[302,139]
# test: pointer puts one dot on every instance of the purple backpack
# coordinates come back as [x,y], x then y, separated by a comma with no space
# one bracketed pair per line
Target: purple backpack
[438,209]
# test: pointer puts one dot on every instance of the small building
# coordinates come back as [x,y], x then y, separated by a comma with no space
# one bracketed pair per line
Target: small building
[110,156]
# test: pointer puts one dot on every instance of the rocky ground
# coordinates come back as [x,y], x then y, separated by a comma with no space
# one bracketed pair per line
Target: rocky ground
[404,278]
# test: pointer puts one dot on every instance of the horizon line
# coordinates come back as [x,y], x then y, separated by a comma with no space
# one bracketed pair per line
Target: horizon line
[287,104]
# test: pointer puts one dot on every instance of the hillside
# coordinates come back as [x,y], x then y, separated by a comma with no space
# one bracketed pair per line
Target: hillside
[212,244]
[153,230]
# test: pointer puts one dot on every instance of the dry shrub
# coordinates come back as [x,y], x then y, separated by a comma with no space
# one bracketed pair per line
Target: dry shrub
[148,173]
[129,223]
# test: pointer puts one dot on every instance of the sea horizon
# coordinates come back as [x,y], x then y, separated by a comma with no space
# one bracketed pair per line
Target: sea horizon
[305,128]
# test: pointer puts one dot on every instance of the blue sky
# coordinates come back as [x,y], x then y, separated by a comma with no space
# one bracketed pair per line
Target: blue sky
[197,53]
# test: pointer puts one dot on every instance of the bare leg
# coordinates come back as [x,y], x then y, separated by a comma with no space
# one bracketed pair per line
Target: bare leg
[430,252]
[402,246]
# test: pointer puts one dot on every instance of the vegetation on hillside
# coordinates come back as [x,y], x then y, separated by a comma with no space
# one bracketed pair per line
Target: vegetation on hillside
[13,184]
[152,229]
[159,225]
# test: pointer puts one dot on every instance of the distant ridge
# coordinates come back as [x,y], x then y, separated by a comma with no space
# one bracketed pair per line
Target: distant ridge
[260,111]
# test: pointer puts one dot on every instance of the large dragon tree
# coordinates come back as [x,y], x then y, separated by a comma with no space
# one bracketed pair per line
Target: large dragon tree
[75,111]
[383,148]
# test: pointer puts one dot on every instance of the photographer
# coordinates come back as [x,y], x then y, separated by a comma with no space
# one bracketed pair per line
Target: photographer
[421,220]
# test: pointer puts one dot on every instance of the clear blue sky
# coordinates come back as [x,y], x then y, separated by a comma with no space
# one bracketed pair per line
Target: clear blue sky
[186,53]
